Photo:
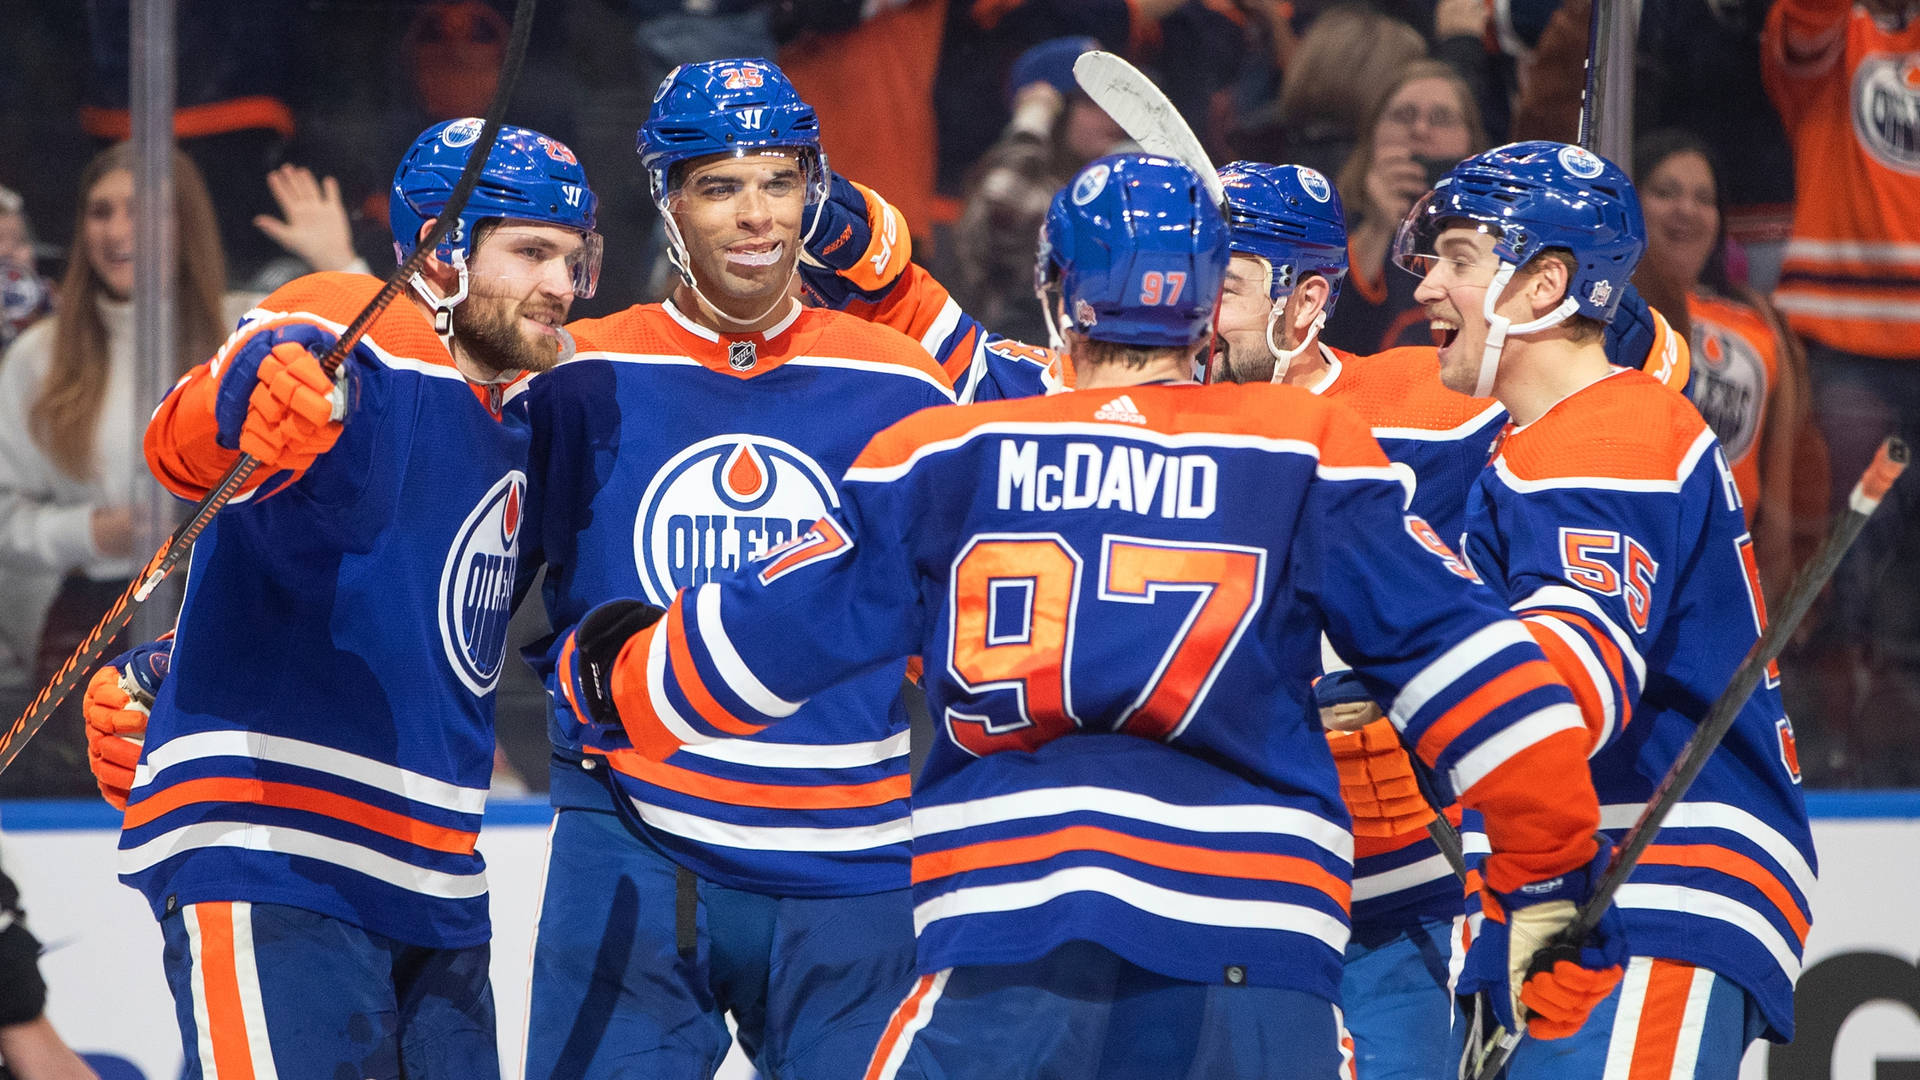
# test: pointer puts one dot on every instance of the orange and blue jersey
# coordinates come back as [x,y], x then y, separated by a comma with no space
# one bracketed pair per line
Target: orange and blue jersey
[324,739]
[1120,596]
[664,455]
[1613,525]
[1847,86]
[1737,370]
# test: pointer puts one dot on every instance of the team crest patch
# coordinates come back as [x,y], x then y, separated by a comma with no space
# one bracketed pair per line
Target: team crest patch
[1084,315]
[476,585]
[1090,185]
[1599,294]
[741,355]
[721,502]
[1315,184]
[1886,110]
[461,133]
[1581,162]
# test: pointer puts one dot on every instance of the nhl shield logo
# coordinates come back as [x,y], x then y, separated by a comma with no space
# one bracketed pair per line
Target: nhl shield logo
[720,503]
[741,355]
[476,585]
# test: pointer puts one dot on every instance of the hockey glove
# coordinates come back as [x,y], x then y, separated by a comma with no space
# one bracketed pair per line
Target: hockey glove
[1377,781]
[1633,337]
[857,246]
[585,667]
[1551,988]
[275,403]
[116,705]
[1344,703]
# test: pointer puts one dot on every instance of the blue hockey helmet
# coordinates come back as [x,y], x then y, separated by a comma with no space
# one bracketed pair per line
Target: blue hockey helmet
[1290,217]
[1533,196]
[528,176]
[728,107]
[1138,251]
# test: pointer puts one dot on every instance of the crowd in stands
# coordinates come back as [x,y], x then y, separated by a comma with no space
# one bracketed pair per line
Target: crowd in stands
[1777,168]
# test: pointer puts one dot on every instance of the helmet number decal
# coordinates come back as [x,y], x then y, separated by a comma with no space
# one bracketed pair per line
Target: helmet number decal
[1158,288]
[741,78]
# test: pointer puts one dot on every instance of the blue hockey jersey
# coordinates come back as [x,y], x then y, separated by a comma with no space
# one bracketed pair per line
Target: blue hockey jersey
[1120,595]
[325,737]
[1613,525]
[663,456]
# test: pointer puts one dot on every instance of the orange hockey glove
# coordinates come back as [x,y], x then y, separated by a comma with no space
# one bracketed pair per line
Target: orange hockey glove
[1377,781]
[289,414]
[116,713]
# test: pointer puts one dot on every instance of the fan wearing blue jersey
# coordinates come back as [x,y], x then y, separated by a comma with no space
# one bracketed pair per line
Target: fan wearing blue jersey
[1610,521]
[303,824]
[1129,852]
[765,877]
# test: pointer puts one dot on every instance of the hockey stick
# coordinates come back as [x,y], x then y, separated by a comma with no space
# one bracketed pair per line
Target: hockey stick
[97,641]
[1145,114]
[1886,468]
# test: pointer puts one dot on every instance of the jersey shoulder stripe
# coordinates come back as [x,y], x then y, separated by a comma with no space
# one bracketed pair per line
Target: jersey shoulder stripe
[398,333]
[1399,395]
[1627,432]
[1269,416]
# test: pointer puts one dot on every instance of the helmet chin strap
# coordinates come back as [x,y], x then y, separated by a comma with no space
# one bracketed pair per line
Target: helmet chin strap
[1499,327]
[1283,358]
[443,305]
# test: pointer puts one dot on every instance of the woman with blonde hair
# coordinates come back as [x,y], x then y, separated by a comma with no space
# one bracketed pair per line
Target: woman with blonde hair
[1426,122]
[71,472]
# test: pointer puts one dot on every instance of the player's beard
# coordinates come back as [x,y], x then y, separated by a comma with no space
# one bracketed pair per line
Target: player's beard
[1244,358]
[489,330]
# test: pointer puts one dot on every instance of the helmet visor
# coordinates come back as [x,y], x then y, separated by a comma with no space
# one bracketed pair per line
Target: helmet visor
[526,252]
[1415,245]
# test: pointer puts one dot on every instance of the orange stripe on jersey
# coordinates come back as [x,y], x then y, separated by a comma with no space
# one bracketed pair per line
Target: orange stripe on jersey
[1604,647]
[1262,411]
[220,989]
[1733,864]
[822,540]
[1250,865]
[960,357]
[776,796]
[1498,691]
[286,796]
[687,675]
[1587,696]
[1656,1037]
[902,1016]
[633,695]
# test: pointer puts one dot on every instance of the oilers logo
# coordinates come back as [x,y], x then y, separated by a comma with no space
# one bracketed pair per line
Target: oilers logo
[722,502]
[1729,386]
[476,586]
[1886,109]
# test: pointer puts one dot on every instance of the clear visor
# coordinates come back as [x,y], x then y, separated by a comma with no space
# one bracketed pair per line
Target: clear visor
[1413,245]
[526,253]
[814,180]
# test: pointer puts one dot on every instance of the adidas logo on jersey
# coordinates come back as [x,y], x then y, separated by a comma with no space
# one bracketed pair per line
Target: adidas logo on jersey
[1120,410]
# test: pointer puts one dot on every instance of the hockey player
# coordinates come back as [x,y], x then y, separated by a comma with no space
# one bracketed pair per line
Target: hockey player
[1129,854]
[1611,522]
[303,813]
[766,877]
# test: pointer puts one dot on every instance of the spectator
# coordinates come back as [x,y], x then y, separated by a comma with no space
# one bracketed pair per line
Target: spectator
[1425,124]
[71,471]
[1332,85]
[1749,374]
[23,296]
[1056,129]
[314,228]
[1843,77]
